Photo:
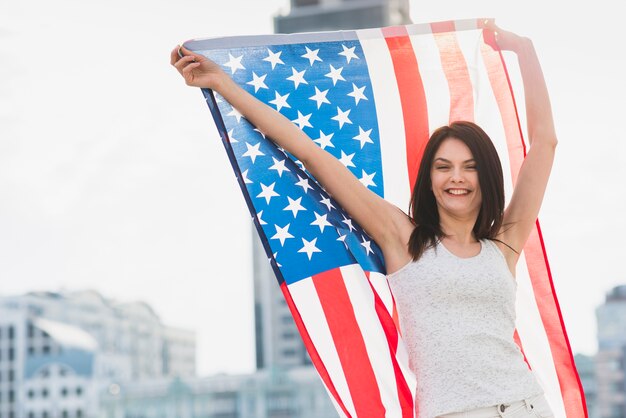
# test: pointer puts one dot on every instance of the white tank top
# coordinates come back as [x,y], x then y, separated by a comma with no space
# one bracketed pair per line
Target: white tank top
[457,317]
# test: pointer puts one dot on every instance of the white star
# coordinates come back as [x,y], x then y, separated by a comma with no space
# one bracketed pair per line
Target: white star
[279,166]
[309,247]
[368,246]
[244,176]
[294,206]
[357,93]
[319,97]
[297,78]
[282,234]
[273,58]
[303,120]
[348,53]
[218,98]
[261,221]
[268,192]
[348,222]
[326,201]
[342,117]
[234,112]
[280,101]
[320,220]
[347,159]
[258,82]
[234,63]
[262,134]
[304,183]
[342,238]
[335,74]
[367,179]
[253,151]
[277,263]
[364,137]
[231,138]
[311,55]
[324,140]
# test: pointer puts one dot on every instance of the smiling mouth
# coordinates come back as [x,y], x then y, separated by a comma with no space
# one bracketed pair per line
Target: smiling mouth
[457,192]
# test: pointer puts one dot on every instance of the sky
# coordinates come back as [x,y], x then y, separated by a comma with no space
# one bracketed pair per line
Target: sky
[113,178]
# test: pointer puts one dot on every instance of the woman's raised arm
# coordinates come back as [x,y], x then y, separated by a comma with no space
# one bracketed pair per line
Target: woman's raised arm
[521,213]
[378,217]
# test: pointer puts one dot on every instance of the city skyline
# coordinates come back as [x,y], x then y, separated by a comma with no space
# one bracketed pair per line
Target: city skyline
[114,177]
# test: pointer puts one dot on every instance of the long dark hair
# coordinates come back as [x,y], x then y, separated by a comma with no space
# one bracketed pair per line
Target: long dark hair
[423,209]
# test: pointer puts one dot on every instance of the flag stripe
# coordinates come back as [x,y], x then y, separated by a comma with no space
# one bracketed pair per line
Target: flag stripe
[389,112]
[307,302]
[349,343]
[412,96]
[455,70]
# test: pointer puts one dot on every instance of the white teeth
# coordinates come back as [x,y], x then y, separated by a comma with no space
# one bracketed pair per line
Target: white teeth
[457,192]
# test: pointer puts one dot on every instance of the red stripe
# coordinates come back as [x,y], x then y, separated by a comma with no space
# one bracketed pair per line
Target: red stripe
[349,343]
[518,341]
[412,96]
[569,382]
[391,333]
[310,347]
[455,69]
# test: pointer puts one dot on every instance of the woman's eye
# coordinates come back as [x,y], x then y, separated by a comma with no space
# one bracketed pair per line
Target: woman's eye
[441,167]
[471,167]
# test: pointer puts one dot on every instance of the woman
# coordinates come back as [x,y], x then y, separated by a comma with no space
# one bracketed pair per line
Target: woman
[453,260]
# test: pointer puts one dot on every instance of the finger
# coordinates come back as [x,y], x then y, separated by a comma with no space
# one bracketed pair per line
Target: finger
[174,57]
[187,52]
[188,71]
[183,62]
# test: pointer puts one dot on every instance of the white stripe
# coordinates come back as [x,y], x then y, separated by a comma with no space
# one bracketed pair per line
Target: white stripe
[381,286]
[535,341]
[434,79]
[390,117]
[374,337]
[307,302]
[529,325]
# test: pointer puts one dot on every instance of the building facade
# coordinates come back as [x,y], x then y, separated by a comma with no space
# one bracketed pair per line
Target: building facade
[278,343]
[58,350]
[610,361]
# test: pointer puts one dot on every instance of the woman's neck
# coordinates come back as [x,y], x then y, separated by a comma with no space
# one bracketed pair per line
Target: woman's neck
[458,230]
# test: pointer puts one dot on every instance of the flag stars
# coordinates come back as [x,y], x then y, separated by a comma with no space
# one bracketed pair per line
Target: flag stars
[268,192]
[357,93]
[324,140]
[258,217]
[297,78]
[335,74]
[304,183]
[319,97]
[321,221]
[309,247]
[348,53]
[282,234]
[234,112]
[231,138]
[253,151]
[367,179]
[364,137]
[348,222]
[367,245]
[275,259]
[326,201]
[279,166]
[280,101]
[303,120]
[273,58]
[342,117]
[234,63]
[294,206]
[258,82]
[347,159]
[311,55]
[244,177]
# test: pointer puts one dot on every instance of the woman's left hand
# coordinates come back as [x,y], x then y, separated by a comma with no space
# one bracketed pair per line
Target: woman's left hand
[507,41]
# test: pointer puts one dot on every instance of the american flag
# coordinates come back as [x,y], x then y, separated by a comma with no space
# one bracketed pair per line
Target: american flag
[371,98]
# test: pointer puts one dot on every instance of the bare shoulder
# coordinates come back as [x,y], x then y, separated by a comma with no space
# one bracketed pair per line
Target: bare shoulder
[511,254]
[395,246]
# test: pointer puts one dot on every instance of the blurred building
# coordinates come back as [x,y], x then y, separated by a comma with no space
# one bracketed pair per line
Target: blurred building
[278,343]
[58,350]
[611,357]
[295,393]
[587,373]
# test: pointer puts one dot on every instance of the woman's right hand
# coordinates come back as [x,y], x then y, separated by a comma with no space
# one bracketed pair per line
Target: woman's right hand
[197,70]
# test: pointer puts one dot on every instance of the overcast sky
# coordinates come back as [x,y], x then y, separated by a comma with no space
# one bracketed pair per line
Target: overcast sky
[112,176]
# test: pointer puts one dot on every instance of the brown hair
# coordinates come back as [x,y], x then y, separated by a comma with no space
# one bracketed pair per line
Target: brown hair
[423,207]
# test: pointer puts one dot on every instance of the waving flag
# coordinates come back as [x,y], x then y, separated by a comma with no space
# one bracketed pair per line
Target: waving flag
[371,98]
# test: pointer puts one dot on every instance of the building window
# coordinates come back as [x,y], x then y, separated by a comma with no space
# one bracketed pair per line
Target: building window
[64,414]
[79,391]
[11,354]
[31,394]
[79,413]
[44,414]
[11,375]
[11,332]
[64,392]
[31,414]
[46,349]
[11,396]
[44,393]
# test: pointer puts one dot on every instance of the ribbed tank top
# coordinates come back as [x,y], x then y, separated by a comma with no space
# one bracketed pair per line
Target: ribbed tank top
[457,317]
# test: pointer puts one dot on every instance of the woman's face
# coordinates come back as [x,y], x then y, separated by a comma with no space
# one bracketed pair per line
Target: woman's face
[454,180]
